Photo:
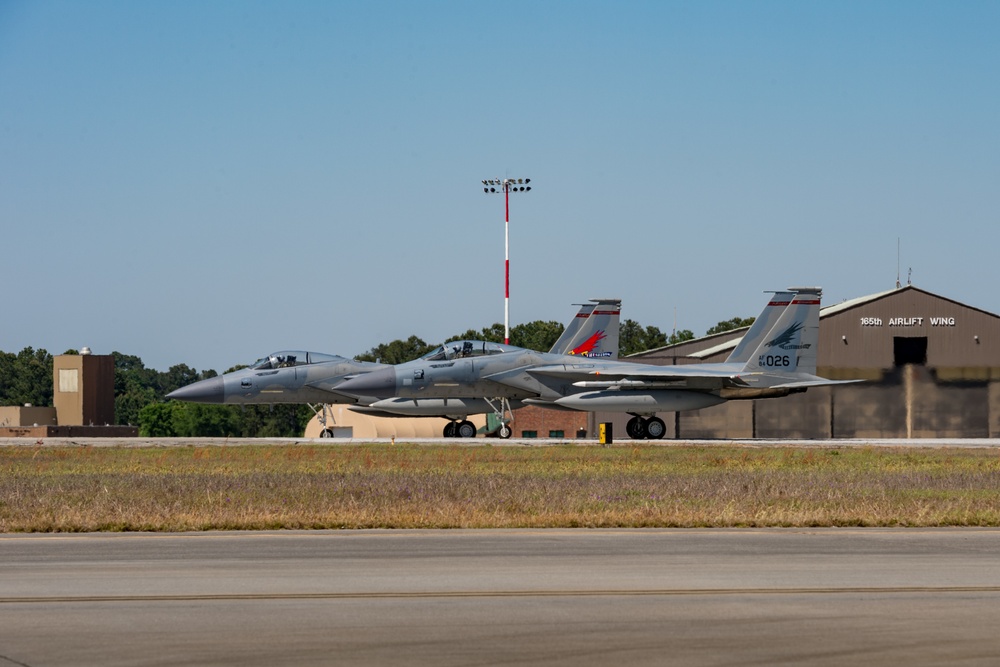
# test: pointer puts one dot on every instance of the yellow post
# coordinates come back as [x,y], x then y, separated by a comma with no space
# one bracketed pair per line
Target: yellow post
[605,433]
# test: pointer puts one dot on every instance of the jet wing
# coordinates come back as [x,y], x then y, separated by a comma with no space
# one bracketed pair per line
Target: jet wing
[329,385]
[814,382]
[500,376]
[513,383]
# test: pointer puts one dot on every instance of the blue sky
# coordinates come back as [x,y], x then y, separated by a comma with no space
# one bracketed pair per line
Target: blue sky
[205,182]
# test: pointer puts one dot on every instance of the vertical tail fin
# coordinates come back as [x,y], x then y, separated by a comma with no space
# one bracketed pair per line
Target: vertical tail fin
[790,345]
[597,332]
[761,326]
[605,319]
[562,345]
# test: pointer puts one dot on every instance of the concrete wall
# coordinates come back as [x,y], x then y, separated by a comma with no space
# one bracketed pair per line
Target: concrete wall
[908,402]
[69,432]
[27,416]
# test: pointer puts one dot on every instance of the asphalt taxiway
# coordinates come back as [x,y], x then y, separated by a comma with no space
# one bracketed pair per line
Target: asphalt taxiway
[503,597]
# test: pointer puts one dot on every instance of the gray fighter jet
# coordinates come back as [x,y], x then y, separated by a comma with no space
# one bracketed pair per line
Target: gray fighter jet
[776,357]
[771,362]
[449,381]
[289,376]
[313,378]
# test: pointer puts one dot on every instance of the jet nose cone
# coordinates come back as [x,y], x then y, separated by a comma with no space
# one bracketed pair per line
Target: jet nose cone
[211,390]
[377,383]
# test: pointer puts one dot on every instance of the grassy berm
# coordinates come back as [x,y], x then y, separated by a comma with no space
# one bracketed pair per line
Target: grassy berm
[408,486]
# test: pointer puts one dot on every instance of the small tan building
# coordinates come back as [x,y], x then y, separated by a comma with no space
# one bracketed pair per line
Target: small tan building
[28,415]
[529,422]
[83,395]
[84,389]
[931,367]
[341,422]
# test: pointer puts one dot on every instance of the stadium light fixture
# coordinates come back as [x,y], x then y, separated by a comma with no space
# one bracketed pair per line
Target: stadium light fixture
[506,186]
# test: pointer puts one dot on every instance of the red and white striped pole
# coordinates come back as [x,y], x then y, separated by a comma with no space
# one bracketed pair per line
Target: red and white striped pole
[507,185]
[506,263]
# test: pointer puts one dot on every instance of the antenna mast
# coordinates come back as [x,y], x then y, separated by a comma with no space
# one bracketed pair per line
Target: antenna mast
[898,285]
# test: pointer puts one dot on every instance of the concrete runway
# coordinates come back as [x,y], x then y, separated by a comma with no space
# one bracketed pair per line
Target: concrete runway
[503,597]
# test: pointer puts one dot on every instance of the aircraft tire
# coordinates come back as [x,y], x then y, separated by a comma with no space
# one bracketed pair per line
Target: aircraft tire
[655,428]
[449,429]
[465,429]
[636,428]
[504,431]
[326,433]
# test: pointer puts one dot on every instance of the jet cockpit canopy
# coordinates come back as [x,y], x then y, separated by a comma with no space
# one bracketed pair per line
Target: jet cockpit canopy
[288,358]
[459,349]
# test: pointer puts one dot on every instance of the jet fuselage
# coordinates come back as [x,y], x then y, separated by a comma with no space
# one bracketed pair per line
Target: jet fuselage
[282,377]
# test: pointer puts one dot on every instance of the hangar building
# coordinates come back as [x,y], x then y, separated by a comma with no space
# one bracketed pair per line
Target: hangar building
[931,367]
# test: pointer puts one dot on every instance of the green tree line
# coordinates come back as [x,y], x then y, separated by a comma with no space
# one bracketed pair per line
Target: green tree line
[26,378]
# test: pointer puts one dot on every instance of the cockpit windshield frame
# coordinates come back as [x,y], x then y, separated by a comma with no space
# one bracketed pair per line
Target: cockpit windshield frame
[290,358]
[461,349]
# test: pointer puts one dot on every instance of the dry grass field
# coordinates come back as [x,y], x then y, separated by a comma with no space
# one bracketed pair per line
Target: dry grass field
[410,486]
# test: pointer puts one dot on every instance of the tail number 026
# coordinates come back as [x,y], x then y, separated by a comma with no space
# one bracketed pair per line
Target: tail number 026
[774,361]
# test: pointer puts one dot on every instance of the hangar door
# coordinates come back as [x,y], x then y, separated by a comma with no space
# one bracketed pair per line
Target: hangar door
[909,350]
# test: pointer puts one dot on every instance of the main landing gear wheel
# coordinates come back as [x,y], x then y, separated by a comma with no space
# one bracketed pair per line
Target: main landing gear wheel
[655,428]
[465,429]
[449,429]
[504,431]
[636,428]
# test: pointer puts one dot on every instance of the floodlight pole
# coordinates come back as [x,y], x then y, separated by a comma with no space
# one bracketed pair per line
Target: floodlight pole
[506,185]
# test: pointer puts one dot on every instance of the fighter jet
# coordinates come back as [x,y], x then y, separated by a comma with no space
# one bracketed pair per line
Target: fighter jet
[777,357]
[289,376]
[313,378]
[782,361]
[448,381]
